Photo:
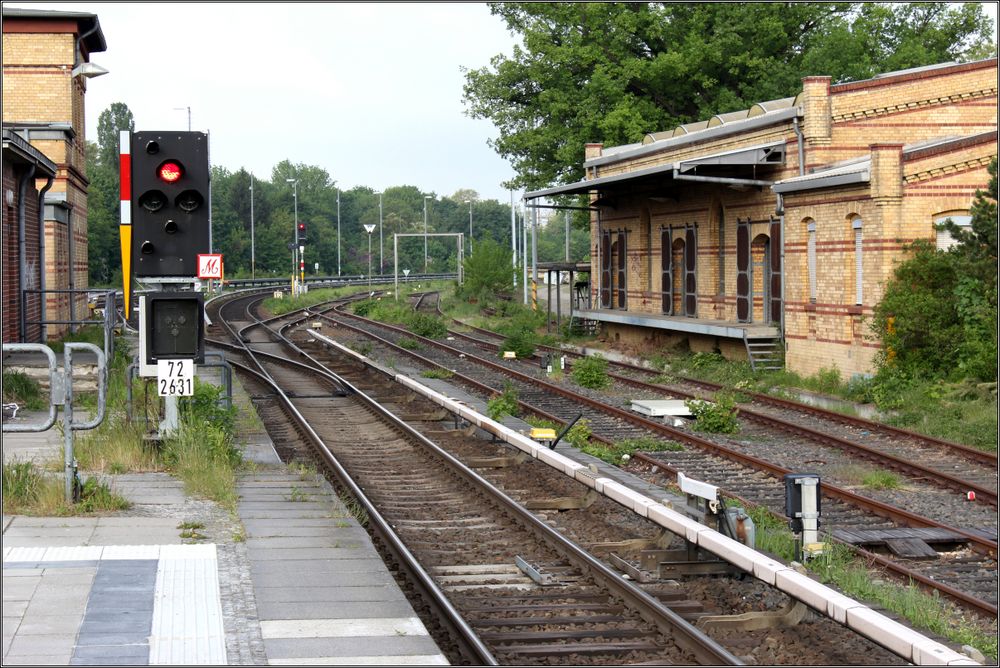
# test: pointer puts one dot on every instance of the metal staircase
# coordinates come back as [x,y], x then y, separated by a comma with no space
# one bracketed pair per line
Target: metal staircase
[765,354]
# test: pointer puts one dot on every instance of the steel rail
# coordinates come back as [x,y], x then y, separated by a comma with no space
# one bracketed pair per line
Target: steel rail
[979,456]
[968,600]
[959,596]
[983,494]
[651,609]
[871,505]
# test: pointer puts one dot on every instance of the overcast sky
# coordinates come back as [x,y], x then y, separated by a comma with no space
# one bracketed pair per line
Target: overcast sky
[370,92]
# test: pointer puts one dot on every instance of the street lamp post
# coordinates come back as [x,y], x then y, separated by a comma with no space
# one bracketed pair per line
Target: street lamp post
[426,197]
[253,251]
[381,263]
[338,231]
[295,197]
[369,229]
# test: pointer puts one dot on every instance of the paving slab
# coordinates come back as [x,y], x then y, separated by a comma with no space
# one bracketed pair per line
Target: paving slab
[381,593]
[323,609]
[357,646]
[279,554]
[360,563]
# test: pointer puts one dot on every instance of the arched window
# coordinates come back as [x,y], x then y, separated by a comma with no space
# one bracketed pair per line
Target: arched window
[811,257]
[858,292]
[944,238]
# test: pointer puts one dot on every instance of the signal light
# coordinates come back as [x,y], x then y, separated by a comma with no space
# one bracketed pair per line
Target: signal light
[171,172]
[170,180]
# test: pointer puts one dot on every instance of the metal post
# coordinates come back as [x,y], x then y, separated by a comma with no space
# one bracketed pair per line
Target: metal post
[567,236]
[470,226]
[72,279]
[513,235]
[524,252]
[426,197]
[395,266]
[534,259]
[338,231]
[381,260]
[253,250]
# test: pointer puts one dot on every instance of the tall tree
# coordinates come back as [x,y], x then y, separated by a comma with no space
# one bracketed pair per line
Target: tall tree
[110,123]
[612,72]
[103,249]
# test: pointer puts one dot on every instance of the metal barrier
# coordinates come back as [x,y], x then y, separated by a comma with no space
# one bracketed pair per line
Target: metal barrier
[108,320]
[61,392]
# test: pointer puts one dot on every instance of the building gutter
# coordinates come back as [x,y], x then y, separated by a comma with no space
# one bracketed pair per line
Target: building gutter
[721,179]
[719,131]
[41,253]
[22,190]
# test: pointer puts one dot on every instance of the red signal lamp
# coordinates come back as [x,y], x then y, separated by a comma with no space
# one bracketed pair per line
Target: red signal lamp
[170,171]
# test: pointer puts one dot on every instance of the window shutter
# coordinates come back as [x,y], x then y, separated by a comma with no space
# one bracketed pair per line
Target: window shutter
[690,277]
[743,270]
[622,271]
[605,269]
[666,271]
[776,297]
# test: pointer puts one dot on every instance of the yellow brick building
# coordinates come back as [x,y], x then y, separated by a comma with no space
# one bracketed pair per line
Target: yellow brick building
[774,229]
[46,64]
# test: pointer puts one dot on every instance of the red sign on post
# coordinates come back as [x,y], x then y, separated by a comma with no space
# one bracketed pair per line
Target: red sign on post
[210,265]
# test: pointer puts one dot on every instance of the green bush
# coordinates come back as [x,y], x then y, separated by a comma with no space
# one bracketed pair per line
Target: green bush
[521,342]
[488,271]
[428,326]
[503,404]
[408,343]
[205,405]
[716,418]
[591,372]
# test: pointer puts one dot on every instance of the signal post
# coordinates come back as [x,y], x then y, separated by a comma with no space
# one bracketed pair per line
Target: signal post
[166,239]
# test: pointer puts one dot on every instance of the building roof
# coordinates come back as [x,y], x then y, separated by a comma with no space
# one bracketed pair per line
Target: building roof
[89,25]
[18,151]
[858,170]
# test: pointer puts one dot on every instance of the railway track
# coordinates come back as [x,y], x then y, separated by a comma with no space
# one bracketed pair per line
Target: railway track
[967,575]
[532,596]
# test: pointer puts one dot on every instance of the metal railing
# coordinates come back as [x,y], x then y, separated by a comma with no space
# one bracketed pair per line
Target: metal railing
[61,392]
[107,320]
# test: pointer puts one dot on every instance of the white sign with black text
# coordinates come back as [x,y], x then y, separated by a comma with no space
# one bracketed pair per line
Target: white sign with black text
[175,378]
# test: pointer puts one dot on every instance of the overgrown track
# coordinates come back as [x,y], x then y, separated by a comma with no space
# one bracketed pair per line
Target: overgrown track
[968,576]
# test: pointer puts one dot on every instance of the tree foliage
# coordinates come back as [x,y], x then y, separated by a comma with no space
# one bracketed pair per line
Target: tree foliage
[938,317]
[612,72]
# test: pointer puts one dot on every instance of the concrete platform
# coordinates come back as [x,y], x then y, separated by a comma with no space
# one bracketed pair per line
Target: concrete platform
[293,580]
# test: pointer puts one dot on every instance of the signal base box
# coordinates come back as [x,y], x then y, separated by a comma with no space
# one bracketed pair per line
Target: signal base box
[172,326]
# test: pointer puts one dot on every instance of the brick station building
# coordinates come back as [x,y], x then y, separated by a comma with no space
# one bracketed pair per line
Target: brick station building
[46,63]
[775,228]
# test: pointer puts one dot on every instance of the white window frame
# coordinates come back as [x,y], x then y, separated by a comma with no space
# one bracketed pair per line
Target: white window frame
[856,225]
[811,259]
[944,239]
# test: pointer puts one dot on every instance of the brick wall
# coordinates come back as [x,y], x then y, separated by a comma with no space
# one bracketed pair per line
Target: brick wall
[899,204]
[38,87]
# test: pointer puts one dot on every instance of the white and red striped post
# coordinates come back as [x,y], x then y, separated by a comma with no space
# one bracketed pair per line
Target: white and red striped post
[125,225]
